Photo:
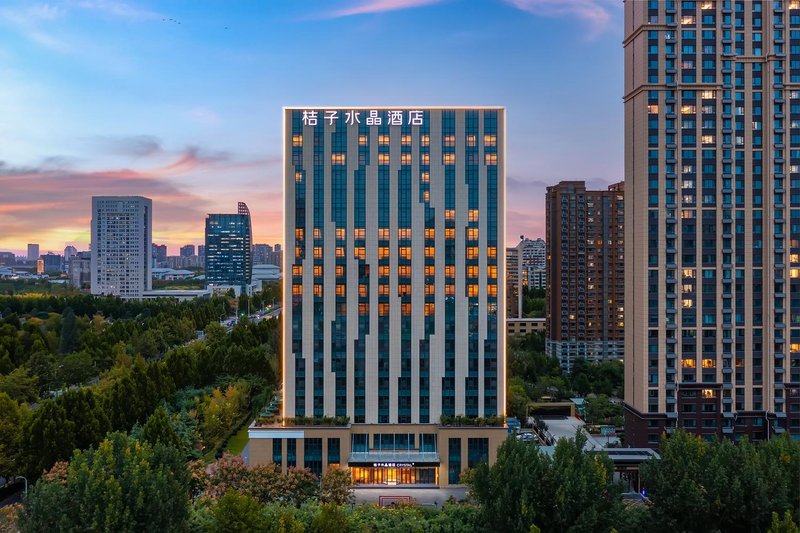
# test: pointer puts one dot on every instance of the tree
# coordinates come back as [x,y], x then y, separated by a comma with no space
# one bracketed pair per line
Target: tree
[331,518]
[84,408]
[12,417]
[48,436]
[235,512]
[42,365]
[158,429]
[124,485]
[76,368]
[784,525]
[20,385]
[517,399]
[336,487]
[68,342]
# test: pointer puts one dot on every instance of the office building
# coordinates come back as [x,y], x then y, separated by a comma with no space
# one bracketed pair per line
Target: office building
[712,172]
[187,250]
[586,289]
[159,254]
[8,258]
[393,294]
[262,253]
[33,252]
[122,233]
[80,270]
[228,248]
[50,263]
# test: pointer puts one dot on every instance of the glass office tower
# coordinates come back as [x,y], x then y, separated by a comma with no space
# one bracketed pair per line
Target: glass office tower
[228,248]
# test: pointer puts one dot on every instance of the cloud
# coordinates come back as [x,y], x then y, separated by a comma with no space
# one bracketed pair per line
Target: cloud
[117,9]
[29,22]
[595,12]
[379,6]
[134,146]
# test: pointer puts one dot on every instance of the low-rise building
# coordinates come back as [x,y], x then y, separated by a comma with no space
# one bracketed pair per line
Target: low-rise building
[518,327]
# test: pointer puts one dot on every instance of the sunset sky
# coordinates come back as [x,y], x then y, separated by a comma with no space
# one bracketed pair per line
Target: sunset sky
[180,100]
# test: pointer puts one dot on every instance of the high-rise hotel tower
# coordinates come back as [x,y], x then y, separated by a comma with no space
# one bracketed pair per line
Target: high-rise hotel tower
[393,293]
[712,229]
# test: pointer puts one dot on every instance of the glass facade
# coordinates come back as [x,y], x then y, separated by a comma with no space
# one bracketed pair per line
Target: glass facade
[228,248]
[393,226]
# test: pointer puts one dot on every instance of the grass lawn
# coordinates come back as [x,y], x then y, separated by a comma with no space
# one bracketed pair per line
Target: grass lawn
[237,443]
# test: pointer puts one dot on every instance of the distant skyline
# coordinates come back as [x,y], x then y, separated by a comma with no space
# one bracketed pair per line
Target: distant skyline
[181,101]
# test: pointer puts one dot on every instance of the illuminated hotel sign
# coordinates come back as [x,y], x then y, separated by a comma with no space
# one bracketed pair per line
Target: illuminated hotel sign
[373,118]
[393,465]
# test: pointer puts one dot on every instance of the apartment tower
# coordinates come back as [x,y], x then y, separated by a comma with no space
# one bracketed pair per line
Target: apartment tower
[585,263]
[712,180]
[121,248]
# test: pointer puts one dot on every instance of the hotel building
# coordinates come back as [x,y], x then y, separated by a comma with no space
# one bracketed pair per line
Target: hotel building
[712,232]
[122,239]
[394,332]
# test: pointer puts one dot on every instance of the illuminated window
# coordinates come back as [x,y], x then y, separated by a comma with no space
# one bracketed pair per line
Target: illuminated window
[362,290]
[450,233]
[383,252]
[707,139]
[472,271]
[491,252]
[297,140]
[490,140]
[430,309]
[383,271]
[449,159]
[340,251]
[430,270]
[492,272]
[430,289]
[297,289]
[383,309]
[652,109]
[687,303]
[709,363]
[405,309]
[492,290]
[707,95]
[383,139]
[425,177]
[688,363]
[687,19]
[794,258]
[794,272]
[688,109]
[340,288]
[363,140]
[338,159]
[298,233]
[359,233]
[472,290]
[425,140]
[430,251]
[472,252]
[449,140]
[426,196]
[317,233]
[794,347]
[425,159]
[405,252]
[363,309]
[490,160]
[430,233]
[383,289]
[298,253]
[450,271]
[450,289]
[318,252]
[317,271]
[404,233]
[405,139]
[708,393]
[405,158]
[404,271]
[297,270]
[472,215]
[383,234]
[688,273]
[340,234]
[318,290]
[298,177]
[471,140]
[360,252]
[383,158]
[472,234]
[707,5]
[339,271]
[449,214]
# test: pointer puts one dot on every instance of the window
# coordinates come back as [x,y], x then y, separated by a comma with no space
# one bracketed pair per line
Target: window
[340,289]
[472,290]
[449,159]
[383,252]
[492,272]
[472,215]
[450,233]
[449,271]
[297,271]
[318,252]
[405,252]
[298,177]
[337,158]
[430,309]
[317,271]
[405,139]
[430,233]
[425,177]
[472,271]
[430,270]
[297,289]
[449,140]
[425,159]
[490,160]
[297,140]
[383,271]
[404,271]
[472,234]
[490,140]
[318,290]
[430,251]
[471,140]
[425,140]
[405,158]
[383,234]
[363,309]
[383,158]
[472,252]
[359,233]
[450,289]
[491,252]
[449,214]
[362,140]
[339,271]
[383,139]
[404,233]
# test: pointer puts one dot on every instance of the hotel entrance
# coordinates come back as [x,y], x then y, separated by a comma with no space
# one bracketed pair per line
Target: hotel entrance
[393,474]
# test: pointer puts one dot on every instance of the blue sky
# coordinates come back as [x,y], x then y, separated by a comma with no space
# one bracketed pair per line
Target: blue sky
[181,100]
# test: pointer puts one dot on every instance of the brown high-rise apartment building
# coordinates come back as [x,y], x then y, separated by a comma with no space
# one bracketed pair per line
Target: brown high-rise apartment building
[585,265]
[712,172]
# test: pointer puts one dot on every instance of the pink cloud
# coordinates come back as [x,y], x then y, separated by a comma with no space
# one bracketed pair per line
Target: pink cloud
[380,6]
